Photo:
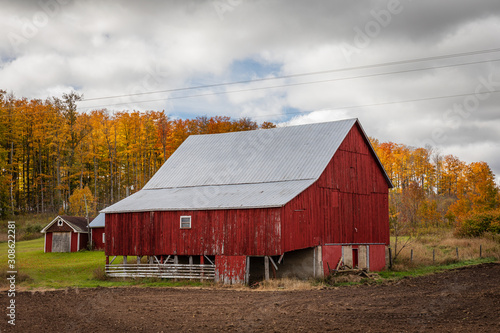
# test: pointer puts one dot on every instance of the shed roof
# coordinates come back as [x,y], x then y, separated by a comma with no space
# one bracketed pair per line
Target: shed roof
[261,168]
[78,224]
[98,221]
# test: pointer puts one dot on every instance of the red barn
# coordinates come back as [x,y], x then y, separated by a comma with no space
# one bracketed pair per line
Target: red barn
[97,232]
[287,201]
[66,234]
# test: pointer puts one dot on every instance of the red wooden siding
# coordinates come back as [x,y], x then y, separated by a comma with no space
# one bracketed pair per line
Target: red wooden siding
[48,242]
[74,242]
[348,203]
[213,232]
[331,255]
[97,238]
[230,269]
[377,257]
[55,228]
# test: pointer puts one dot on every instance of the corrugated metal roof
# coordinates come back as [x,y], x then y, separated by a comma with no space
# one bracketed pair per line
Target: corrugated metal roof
[273,155]
[262,168]
[98,222]
[256,195]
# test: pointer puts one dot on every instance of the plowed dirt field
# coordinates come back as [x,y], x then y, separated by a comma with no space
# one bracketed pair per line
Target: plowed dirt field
[461,300]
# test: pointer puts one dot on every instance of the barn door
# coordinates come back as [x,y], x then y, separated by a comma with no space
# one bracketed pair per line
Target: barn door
[61,242]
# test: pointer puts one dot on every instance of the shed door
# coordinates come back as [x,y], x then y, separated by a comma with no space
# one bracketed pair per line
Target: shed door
[61,241]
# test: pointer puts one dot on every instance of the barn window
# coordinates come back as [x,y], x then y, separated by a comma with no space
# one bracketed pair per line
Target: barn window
[185,222]
[103,238]
[59,223]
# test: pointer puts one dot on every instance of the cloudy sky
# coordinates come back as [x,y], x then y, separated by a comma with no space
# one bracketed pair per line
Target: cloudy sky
[413,72]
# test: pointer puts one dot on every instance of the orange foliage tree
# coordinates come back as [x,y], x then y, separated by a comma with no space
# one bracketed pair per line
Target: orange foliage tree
[49,151]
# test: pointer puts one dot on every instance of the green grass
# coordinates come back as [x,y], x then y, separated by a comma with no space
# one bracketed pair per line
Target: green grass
[62,270]
[424,270]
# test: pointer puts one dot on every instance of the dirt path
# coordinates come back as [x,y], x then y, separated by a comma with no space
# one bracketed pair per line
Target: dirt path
[463,300]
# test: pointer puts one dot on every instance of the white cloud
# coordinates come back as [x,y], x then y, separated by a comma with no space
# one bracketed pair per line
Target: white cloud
[128,47]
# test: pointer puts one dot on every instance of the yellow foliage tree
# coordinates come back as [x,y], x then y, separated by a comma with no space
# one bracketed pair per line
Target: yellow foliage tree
[81,201]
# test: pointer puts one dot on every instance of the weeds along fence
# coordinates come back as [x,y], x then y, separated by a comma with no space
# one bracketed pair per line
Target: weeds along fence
[444,251]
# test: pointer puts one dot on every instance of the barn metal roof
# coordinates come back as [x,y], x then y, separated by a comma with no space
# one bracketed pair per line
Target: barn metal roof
[98,222]
[260,156]
[261,168]
[257,195]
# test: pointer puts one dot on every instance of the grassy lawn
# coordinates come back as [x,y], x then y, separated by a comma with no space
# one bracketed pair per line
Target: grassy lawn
[37,269]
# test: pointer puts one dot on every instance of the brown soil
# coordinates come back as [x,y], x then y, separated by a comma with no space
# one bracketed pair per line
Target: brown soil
[462,300]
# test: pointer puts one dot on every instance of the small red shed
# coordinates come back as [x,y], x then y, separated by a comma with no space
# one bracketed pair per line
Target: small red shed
[287,201]
[97,232]
[66,234]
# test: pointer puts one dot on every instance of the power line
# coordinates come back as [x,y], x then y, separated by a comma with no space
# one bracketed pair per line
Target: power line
[400,62]
[290,84]
[297,83]
[385,103]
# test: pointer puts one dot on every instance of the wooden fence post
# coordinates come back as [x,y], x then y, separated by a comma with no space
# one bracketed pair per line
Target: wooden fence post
[390,258]
[456,249]
[191,265]
[266,268]
[411,255]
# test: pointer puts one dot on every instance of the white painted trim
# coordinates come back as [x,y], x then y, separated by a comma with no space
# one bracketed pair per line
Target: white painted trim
[44,230]
[180,221]
[45,243]
[77,242]
[103,238]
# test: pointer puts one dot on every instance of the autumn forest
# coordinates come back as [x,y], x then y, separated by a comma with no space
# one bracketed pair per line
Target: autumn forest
[56,159]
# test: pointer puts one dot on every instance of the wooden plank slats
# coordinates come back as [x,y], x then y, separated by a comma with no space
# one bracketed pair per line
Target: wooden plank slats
[170,271]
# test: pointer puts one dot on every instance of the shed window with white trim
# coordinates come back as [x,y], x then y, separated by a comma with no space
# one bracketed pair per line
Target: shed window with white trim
[185,222]
[103,238]
[59,223]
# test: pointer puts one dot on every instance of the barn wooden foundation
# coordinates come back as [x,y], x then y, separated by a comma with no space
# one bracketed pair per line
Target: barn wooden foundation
[317,262]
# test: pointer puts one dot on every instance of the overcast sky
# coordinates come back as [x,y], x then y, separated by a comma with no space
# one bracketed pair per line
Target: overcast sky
[133,48]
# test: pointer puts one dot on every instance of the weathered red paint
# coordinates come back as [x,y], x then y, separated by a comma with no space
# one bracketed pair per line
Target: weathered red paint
[48,242]
[377,257]
[74,242]
[331,255]
[347,204]
[97,238]
[230,269]
[213,232]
